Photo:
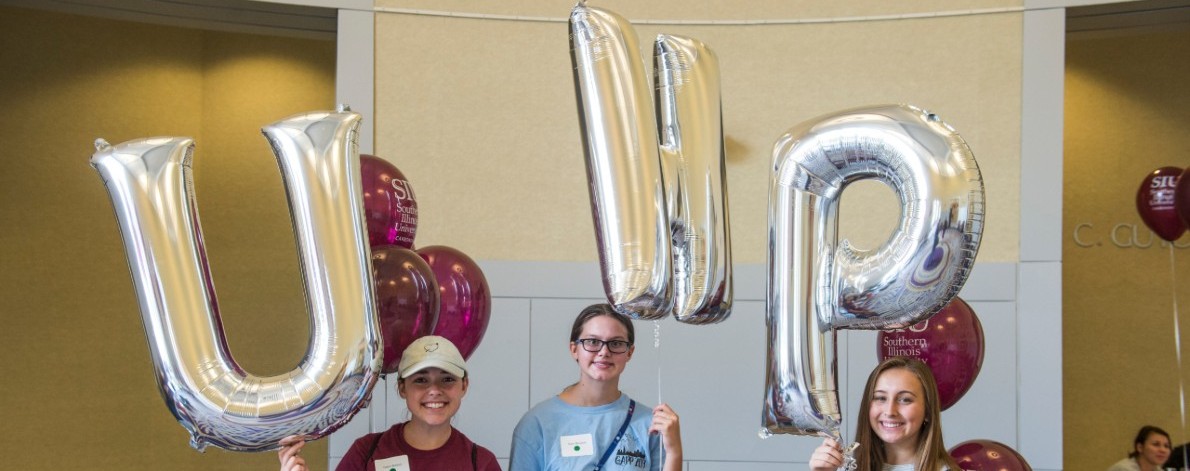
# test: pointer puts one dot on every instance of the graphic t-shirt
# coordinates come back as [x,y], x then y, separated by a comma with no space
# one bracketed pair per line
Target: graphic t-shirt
[556,436]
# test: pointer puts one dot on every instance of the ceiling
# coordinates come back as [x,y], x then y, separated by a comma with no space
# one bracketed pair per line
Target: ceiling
[1127,18]
[263,17]
[240,16]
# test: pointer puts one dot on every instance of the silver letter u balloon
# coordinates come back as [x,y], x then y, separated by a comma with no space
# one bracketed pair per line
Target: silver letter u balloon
[817,285]
[659,205]
[149,181]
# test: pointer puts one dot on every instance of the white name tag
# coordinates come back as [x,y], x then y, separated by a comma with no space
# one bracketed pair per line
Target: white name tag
[577,445]
[396,463]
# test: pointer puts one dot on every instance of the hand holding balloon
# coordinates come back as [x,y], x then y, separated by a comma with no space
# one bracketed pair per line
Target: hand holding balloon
[828,456]
[289,454]
[665,423]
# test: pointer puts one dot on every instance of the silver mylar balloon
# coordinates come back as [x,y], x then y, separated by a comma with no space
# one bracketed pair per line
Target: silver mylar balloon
[691,129]
[623,168]
[150,184]
[817,285]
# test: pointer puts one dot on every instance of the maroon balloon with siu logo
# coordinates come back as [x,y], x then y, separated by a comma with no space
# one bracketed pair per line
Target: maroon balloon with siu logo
[466,301]
[407,299]
[950,343]
[1155,201]
[390,207]
[988,455]
[1181,199]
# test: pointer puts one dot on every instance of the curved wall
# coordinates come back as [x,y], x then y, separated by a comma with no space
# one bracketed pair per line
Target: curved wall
[78,387]
[1127,111]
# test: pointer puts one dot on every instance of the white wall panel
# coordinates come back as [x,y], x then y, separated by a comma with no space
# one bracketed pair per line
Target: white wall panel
[499,371]
[1039,310]
[1040,357]
[713,376]
[353,86]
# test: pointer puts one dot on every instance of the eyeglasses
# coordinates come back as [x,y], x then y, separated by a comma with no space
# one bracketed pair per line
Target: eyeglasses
[595,345]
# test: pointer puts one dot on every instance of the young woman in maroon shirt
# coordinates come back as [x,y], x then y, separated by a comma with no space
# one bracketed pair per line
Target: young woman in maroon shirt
[433,381]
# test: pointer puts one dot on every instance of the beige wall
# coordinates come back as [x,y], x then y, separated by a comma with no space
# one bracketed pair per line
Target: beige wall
[1127,112]
[481,116]
[76,385]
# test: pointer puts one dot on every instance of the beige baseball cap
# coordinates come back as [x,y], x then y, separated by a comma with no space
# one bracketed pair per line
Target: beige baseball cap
[432,351]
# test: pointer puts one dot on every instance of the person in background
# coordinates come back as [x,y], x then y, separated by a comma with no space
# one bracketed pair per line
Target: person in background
[433,381]
[591,424]
[1149,452]
[899,426]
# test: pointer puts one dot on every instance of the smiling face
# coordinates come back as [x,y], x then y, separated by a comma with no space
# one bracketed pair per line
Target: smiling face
[601,366]
[432,395]
[1154,451]
[896,412]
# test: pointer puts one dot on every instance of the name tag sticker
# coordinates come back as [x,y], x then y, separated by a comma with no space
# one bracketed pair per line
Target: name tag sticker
[577,445]
[396,463]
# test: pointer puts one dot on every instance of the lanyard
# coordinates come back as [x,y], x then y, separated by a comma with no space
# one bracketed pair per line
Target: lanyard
[612,446]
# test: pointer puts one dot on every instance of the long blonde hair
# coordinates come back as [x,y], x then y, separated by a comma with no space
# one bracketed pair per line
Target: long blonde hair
[931,452]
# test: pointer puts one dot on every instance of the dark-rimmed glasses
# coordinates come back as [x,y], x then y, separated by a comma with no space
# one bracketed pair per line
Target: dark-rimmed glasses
[595,345]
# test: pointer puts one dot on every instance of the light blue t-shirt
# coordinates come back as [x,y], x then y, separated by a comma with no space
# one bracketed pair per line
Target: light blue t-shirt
[556,436]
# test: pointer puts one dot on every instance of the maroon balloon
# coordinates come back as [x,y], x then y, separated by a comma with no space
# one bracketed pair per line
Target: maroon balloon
[407,300]
[1181,199]
[988,455]
[950,342]
[1155,203]
[466,299]
[390,208]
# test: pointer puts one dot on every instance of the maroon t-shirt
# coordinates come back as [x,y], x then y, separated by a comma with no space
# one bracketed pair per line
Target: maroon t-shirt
[455,455]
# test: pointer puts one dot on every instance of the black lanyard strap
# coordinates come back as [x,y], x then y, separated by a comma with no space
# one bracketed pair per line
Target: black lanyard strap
[612,446]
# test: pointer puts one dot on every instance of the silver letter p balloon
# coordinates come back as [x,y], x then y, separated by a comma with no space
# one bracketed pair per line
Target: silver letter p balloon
[817,285]
[149,181]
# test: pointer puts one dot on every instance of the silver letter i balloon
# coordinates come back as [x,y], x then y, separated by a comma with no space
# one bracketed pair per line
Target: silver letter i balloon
[149,181]
[817,285]
[692,161]
[659,206]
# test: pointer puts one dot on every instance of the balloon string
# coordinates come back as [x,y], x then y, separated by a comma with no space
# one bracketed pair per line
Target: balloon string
[657,346]
[1177,346]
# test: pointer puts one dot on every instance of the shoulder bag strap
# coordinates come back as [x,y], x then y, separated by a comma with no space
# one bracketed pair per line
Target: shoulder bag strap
[372,450]
[612,446]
